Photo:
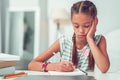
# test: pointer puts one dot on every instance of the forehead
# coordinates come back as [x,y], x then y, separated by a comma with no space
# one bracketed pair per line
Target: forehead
[81,18]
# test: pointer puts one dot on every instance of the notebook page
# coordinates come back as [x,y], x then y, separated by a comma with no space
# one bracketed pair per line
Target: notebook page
[75,72]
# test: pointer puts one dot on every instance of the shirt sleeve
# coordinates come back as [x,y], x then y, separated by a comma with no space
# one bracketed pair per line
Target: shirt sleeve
[62,42]
[97,39]
[65,44]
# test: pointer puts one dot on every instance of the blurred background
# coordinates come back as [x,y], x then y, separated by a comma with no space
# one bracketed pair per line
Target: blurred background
[29,27]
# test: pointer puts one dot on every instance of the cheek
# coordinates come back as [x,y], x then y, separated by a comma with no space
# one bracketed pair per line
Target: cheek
[75,30]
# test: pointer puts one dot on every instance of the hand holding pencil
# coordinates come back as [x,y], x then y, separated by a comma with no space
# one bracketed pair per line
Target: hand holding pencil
[64,66]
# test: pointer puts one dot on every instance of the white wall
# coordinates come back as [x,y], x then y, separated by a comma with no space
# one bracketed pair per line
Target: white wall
[108,15]
[44,25]
[24,3]
[4,6]
[43,17]
[53,4]
[0,27]
[16,34]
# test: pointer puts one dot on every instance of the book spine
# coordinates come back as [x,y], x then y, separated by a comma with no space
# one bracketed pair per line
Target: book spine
[7,70]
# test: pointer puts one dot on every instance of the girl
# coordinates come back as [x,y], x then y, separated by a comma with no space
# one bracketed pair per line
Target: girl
[83,50]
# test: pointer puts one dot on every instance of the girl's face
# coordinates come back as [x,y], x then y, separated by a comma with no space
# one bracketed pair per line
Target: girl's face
[81,24]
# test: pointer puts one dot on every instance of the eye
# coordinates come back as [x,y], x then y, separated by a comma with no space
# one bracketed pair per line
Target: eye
[76,26]
[86,26]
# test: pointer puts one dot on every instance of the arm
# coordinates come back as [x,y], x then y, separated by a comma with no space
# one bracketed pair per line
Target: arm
[36,63]
[99,52]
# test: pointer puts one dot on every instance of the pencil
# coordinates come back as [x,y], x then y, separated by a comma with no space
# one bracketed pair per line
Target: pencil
[84,71]
[58,56]
[7,76]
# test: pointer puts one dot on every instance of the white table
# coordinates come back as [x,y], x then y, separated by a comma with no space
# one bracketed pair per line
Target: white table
[28,72]
[106,76]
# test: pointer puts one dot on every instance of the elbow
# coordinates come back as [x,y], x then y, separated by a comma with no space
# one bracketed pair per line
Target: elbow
[34,65]
[30,65]
[105,69]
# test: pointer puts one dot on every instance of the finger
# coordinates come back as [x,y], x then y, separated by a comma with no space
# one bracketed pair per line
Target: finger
[68,67]
[65,68]
[72,65]
[69,64]
[96,20]
[62,67]
[93,23]
[63,62]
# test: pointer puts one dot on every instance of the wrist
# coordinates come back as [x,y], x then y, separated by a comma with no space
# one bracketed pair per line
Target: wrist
[89,39]
[52,66]
[91,42]
[44,66]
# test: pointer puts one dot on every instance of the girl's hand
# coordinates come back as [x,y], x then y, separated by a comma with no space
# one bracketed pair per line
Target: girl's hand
[65,66]
[92,30]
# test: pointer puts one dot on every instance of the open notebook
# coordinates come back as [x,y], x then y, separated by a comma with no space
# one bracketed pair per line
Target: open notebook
[75,72]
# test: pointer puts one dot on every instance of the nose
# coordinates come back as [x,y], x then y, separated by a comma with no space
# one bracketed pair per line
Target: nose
[81,30]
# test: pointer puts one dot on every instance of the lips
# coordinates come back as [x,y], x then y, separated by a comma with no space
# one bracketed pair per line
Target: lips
[82,35]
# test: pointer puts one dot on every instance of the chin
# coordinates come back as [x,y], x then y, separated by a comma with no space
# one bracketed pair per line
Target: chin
[81,38]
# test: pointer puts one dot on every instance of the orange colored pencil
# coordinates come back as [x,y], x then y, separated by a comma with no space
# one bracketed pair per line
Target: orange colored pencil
[14,75]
